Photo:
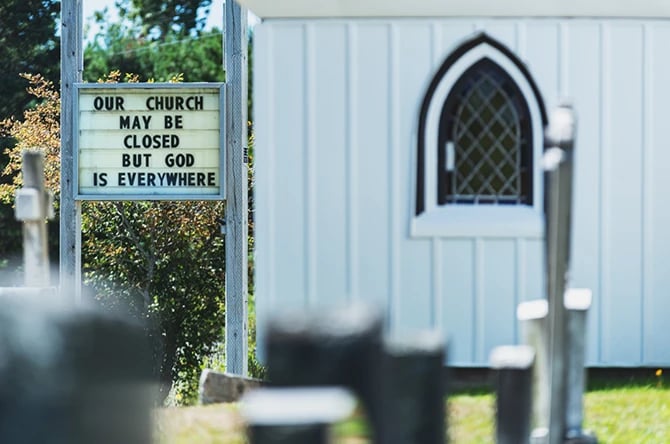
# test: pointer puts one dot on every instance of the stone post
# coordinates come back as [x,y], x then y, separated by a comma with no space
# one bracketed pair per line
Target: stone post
[34,205]
[558,163]
[577,303]
[532,316]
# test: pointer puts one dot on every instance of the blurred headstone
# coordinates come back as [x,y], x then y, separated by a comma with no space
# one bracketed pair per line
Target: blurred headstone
[338,347]
[513,373]
[295,415]
[415,389]
[72,377]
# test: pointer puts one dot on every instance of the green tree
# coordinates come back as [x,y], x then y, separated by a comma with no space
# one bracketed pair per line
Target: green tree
[162,17]
[163,262]
[123,45]
[28,44]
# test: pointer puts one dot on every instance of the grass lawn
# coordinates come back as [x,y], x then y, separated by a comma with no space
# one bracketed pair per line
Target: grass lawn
[629,412]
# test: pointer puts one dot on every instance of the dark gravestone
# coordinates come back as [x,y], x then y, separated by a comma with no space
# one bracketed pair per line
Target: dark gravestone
[415,411]
[341,347]
[71,376]
[290,434]
[512,367]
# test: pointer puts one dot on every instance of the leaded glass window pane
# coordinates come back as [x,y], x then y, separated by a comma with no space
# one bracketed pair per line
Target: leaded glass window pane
[485,141]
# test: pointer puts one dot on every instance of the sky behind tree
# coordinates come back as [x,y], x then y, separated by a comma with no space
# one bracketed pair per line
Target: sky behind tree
[214,19]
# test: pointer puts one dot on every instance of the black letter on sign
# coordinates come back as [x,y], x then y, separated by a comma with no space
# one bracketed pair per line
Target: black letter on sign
[99,179]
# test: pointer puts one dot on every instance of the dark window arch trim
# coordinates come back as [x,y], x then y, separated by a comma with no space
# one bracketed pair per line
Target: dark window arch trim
[451,59]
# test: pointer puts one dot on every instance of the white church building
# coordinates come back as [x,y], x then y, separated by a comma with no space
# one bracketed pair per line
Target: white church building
[398,149]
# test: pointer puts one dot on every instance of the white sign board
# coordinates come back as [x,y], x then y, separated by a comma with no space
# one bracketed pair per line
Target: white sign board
[149,141]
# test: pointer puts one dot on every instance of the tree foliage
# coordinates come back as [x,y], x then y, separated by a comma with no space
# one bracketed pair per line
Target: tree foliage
[163,262]
[28,43]
[161,17]
[123,45]
[40,128]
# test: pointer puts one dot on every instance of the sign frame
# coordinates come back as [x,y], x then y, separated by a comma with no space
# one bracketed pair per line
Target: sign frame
[166,88]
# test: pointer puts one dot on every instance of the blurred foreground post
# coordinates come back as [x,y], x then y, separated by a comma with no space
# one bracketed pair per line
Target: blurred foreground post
[513,373]
[399,381]
[533,318]
[558,163]
[332,348]
[414,389]
[72,376]
[295,415]
[577,304]
[34,205]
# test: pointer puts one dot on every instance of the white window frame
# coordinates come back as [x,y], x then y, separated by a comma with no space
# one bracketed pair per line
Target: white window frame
[467,220]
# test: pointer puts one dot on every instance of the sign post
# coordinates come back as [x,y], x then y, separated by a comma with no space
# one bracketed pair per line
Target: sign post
[236,191]
[72,66]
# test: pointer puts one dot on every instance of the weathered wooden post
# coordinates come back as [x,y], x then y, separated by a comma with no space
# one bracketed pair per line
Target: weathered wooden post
[513,374]
[558,160]
[236,189]
[34,205]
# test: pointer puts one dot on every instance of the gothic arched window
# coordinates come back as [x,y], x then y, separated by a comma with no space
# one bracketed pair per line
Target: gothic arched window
[479,144]
[485,142]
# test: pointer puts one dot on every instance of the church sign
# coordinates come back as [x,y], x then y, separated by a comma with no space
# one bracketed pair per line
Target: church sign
[149,141]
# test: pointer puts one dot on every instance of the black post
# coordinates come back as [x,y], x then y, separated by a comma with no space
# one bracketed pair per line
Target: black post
[289,434]
[341,347]
[513,374]
[415,390]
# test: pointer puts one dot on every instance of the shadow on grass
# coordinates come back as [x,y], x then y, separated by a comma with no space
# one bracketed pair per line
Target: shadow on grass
[479,381]
[619,378]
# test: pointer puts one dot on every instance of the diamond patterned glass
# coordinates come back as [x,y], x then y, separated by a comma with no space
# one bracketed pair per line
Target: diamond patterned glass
[487,123]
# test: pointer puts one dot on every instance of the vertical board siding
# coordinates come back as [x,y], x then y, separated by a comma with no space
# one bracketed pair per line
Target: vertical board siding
[505,31]
[534,277]
[336,107]
[372,160]
[330,154]
[414,309]
[458,275]
[351,184]
[289,165]
[542,57]
[657,280]
[621,298]
[583,85]
[396,152]
[449,36]
[264,291]
[498,295]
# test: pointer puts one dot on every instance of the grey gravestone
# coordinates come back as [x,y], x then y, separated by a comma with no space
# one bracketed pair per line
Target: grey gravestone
[72,377]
